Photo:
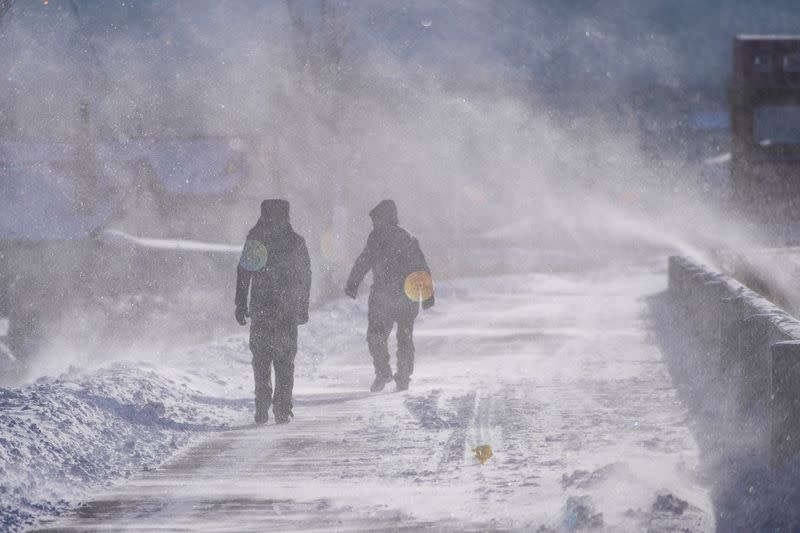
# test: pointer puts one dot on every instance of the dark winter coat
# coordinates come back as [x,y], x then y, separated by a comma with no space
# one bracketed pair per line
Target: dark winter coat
[391,253]
[278,290]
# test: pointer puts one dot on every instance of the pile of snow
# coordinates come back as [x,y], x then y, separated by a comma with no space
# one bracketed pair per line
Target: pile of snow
[60,438]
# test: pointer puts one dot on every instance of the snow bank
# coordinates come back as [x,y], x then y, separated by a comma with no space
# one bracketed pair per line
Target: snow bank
[61,437]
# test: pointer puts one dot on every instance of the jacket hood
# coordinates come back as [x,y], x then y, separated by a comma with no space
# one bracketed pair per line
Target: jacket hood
[274,219]
[275,210]
[385,213]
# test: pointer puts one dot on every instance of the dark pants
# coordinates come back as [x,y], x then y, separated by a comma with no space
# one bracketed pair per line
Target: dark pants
[273,343]
[386,310]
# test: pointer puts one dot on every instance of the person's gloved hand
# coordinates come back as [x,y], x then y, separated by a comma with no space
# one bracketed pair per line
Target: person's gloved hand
[427,304]
[241,315]
[351,292]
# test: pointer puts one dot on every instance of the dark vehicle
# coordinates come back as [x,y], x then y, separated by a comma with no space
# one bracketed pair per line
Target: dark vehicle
[107,215]
[71,242]
[764,99]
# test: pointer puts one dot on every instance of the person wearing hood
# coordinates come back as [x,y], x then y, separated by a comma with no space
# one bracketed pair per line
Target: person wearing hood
[273,282]
[396,261]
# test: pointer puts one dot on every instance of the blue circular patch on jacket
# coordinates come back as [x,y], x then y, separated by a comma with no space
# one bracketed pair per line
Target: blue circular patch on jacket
[254,255]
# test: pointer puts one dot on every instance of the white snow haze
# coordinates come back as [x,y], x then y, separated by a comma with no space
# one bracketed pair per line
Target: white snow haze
[544,154]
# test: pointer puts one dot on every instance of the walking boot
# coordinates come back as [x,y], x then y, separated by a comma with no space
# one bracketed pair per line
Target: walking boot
[284,418]
[379,383]
[401,382]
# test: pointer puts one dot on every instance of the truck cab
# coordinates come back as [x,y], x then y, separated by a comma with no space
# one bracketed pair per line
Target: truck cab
[764,99]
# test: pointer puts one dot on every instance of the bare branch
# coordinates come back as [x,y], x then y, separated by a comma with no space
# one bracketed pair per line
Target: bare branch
[334,31]
[302,31]
[5,5]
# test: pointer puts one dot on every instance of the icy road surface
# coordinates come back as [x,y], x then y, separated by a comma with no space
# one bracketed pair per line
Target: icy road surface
[556,372]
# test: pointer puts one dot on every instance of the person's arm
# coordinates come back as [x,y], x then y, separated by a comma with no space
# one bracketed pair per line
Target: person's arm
[243,277]
[363,264]
[304,282]
[427,304]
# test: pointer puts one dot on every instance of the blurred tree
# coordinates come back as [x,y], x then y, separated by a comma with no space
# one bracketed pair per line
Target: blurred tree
[6,118]
[5,5]
[318,44]
[319,34]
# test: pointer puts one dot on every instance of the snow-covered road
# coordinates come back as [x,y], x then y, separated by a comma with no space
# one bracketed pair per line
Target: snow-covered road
[557,372]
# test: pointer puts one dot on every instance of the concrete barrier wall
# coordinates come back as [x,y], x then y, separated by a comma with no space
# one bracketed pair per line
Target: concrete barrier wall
[755,344]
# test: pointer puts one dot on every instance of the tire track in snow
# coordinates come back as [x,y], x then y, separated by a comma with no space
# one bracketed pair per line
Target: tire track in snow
[455,420]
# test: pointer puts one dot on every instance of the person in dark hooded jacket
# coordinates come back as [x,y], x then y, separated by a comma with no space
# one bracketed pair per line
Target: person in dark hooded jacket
[273,281]
[394,256]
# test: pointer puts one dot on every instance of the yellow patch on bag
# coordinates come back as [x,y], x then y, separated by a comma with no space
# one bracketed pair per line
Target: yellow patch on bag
[418,286]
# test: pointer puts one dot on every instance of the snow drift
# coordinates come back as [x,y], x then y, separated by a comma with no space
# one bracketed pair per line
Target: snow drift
[60,437]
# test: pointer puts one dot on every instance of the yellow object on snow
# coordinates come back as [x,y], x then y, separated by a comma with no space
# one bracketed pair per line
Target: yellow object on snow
[483,453]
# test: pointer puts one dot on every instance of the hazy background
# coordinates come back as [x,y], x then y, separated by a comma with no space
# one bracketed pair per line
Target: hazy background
[566,132]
